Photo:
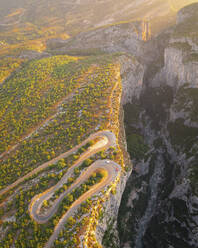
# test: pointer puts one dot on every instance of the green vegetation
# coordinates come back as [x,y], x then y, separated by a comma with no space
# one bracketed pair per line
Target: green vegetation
[60,168]
[156,101]
[79,117]
[77,171]
[136,146]
[133,113]
[69,236]
[56,170]
[110,238]
[30,232]
[8,65]
[69,182]
[80,52]
[91,81]
[182,136]
[194,174]
[193,57]
[184,46]
[135,141]
[30,95]
[187,100]
[189,26]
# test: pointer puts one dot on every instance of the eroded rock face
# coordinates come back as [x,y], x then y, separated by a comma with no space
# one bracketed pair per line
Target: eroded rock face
[178,71]
[159,80]
[180,64]
[125,37]
[108,224]
[132,77]
[159,206]
[120,38]
[132,73]
[186,13]
[181,52]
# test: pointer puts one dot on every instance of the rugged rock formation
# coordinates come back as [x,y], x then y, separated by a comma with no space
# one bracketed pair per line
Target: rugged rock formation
[106,232]
[160,205]
[132,73]
[132,77]
[186,13]
[122,37]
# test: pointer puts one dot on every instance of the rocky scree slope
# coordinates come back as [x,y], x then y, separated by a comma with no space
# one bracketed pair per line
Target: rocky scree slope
[159,207]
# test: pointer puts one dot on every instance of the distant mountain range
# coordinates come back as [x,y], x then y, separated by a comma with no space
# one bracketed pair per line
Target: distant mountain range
[75,16]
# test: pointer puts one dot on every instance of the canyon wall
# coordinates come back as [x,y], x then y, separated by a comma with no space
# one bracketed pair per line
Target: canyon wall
[159,207]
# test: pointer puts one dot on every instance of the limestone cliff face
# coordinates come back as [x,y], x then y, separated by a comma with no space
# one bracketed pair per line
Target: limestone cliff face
[180,64]
[106,231]
[132,77]
[159,207]
[179,69]
[132,73]
[125,37]
[186,13]
[181,53]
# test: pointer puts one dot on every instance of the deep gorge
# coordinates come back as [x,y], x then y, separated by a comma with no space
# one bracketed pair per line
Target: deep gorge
[159,206]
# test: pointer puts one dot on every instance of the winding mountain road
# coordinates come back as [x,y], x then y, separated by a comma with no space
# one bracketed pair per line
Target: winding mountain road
[101,134]
[107,139]
[112,169]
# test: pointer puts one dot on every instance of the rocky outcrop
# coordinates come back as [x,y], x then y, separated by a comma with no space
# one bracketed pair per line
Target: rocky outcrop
[186,13]
[132,77]
[159,207]
[108,224]
[181,52]
[29,55]
[177,71]
[132,73]
[180,64]
[154,77]
[125,37]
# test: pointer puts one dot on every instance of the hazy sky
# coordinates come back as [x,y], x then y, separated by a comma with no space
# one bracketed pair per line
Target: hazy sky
[79,15]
